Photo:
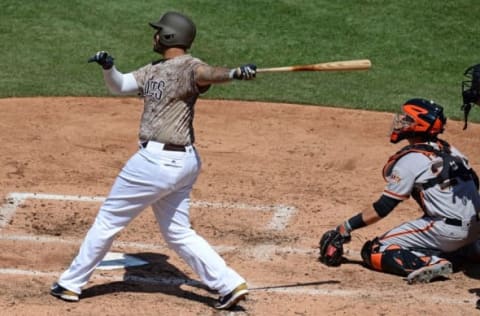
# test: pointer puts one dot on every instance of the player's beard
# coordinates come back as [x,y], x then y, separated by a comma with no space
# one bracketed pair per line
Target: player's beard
[159,49]
[157,46]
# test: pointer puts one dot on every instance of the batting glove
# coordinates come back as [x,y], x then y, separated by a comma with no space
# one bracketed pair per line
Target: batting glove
[245,72]
[103,59]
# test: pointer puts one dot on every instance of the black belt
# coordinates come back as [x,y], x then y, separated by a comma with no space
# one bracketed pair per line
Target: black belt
[168,147]
[453,221]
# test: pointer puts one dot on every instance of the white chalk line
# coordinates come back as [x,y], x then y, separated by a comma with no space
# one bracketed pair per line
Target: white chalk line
[119,244]
[258,251]
[262,252]
[295,289]
[281,213]
[281,217]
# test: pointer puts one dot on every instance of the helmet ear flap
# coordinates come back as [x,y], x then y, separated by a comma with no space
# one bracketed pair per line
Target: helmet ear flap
[438,125]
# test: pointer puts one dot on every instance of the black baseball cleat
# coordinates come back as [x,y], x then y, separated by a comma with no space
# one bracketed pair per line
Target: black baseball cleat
[62,293]
[232,298]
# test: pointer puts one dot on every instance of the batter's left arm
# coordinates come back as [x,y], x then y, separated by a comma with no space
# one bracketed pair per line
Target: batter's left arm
[119,83]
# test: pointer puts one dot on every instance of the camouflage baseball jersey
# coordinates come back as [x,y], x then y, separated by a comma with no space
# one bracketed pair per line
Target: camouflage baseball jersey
[170,92]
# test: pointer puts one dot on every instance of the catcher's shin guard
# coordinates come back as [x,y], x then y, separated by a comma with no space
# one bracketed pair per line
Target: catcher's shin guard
[394,259]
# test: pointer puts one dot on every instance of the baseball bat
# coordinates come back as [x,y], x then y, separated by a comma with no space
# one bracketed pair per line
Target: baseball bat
[346,65]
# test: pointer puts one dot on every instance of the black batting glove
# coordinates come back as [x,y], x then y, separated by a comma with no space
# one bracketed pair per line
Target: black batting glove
[245,72]
[103,59]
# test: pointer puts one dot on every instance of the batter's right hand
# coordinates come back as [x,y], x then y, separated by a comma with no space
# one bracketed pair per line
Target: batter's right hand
[245,72]
[103,59]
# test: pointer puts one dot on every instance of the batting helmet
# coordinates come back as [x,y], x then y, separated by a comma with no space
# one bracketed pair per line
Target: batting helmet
[174,30]
[470,90]
[419,118]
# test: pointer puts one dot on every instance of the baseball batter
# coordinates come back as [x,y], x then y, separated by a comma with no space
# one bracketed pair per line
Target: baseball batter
[163,171]
[439,178]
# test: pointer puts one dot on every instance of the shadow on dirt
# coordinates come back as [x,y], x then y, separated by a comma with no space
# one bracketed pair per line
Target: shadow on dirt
[158,276]
[472,270]
[282,286]
[352,261]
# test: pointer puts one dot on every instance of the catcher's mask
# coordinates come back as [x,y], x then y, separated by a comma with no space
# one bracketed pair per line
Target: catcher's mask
[173,30]
[419,118]
[470,90]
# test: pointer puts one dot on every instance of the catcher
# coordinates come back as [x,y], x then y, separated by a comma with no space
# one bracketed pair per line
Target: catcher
[438,177]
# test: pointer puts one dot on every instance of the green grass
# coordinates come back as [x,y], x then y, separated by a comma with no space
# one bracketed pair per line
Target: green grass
[418,48]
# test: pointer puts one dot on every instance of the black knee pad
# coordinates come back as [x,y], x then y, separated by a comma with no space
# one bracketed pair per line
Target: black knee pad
[370,248]
[366,252]
[401,261]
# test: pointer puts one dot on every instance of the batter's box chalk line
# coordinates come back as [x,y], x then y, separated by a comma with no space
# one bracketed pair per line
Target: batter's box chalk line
[118,260]
[299,289]
[280,218]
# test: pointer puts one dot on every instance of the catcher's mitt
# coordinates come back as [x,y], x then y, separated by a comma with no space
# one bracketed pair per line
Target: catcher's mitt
[331,248]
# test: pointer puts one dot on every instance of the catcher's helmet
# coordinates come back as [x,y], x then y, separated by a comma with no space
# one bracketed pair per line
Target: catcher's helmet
[175,30]
[470,90]
[419,118]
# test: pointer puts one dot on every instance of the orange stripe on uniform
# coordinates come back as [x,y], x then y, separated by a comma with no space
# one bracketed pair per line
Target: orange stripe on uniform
[395,195]
[414,231]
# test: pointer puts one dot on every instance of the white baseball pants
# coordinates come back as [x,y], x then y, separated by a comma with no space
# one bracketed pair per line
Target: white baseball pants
[161,179]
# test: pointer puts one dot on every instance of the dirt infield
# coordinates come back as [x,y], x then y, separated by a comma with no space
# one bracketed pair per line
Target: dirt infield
[274,178]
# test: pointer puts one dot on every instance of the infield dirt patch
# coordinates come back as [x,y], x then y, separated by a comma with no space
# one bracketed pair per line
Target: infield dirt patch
[274,178]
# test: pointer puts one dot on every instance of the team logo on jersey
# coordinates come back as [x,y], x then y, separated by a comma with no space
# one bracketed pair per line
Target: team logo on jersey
[154,89]
[395,177]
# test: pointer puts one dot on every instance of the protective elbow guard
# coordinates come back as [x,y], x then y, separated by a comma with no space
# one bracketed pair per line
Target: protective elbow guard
[385,205]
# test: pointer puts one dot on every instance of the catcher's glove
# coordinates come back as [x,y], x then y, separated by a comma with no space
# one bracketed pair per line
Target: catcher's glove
[331,248]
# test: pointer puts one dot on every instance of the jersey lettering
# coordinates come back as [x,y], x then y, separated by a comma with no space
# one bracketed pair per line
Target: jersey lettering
[154,89]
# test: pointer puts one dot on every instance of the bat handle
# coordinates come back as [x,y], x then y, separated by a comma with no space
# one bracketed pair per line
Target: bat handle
[275,69]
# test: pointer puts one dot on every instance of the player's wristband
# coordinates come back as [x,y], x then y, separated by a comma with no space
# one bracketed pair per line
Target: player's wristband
[355,222]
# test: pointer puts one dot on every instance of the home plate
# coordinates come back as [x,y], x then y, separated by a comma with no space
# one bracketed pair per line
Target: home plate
[117,260]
